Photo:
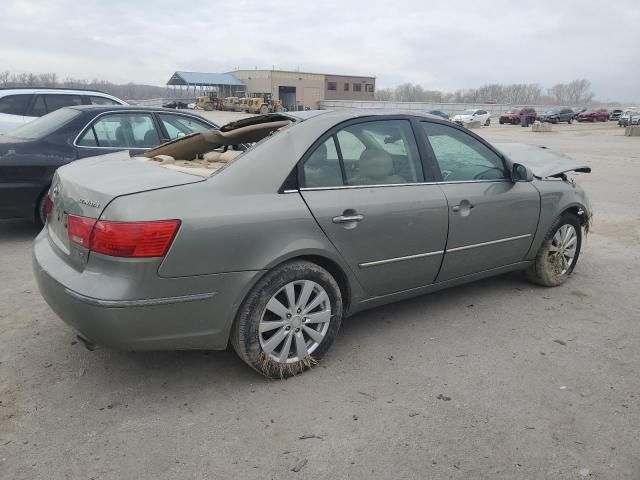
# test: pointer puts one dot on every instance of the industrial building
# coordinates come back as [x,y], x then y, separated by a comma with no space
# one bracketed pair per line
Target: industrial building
[296,90]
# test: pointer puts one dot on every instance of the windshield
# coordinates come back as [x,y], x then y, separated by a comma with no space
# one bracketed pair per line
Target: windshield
[45,125]
[469,111]
[551,112]
[514,110]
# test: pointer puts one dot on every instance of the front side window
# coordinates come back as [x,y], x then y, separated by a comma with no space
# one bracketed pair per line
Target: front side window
[460,156]
[125,130]
[95,100]
[369,153]
[14,104]
[357,87]
[179,126]
[331,85]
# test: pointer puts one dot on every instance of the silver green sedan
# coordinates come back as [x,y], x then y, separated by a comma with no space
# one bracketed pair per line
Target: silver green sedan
[271,230]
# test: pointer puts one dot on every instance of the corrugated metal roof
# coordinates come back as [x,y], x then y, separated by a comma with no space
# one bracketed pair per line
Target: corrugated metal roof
[200,78]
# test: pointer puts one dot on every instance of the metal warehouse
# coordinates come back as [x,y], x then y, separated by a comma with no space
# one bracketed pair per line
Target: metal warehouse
[296,90]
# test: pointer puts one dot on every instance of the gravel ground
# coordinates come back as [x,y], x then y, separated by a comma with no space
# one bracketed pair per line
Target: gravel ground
[497,379]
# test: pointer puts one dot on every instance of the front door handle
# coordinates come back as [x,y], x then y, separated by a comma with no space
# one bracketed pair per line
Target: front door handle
[348,218]
[464,207]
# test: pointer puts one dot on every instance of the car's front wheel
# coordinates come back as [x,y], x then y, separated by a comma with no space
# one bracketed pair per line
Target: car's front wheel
[558,254]
[289,320]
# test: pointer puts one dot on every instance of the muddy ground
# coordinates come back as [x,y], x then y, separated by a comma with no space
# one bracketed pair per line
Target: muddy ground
[497,379]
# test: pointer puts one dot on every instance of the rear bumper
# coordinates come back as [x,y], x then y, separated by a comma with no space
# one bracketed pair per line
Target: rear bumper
[197,315]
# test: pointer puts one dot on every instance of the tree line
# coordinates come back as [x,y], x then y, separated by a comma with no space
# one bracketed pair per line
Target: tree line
[128,91]
[575,93]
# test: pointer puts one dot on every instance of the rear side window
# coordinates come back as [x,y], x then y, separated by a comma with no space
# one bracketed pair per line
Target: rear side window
[39,108]
[102,100]
[121,131]
[461,157]
[322,168]
[14,104]
[56,101]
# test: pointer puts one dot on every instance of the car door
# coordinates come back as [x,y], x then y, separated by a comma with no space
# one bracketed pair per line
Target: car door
[115,131]
[491,219]
[12,111]
[364,184]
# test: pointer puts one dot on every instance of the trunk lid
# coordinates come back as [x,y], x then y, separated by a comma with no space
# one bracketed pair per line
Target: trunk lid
[86,187]
[542,161]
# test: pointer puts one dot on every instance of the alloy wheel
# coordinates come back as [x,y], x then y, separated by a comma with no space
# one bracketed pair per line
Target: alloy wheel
[562,250]
[295,321]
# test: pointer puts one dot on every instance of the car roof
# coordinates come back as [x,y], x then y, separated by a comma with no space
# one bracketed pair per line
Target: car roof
[103,108]
[30,90]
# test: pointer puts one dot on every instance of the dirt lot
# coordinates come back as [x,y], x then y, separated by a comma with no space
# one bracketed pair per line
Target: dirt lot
[497,379]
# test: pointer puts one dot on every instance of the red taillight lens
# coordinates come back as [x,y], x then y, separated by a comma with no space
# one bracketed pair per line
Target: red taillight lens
[124,239]
[79,229]
[48,205]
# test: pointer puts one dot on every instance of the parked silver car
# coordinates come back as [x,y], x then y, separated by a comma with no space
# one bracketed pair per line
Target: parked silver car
[198,242]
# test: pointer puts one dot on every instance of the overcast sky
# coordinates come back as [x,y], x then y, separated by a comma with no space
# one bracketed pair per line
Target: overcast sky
[444,45]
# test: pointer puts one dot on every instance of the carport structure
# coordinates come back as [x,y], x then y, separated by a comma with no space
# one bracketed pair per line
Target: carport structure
[195,84]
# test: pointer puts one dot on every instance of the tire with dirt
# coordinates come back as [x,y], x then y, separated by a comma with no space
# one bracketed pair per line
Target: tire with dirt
[488,122]
[559,252]
[40,216]
[289,319]
[264,109]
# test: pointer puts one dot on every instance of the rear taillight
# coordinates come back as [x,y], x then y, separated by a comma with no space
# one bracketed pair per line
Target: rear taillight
[48,205]
[123,239]
[79,229]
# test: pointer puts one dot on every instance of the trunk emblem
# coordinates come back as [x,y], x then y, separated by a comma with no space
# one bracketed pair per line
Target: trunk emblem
[89,203]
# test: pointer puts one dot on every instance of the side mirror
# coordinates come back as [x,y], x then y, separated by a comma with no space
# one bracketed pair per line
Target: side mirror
[521,173]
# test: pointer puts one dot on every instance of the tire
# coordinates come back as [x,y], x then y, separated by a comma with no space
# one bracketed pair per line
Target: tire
[551,269]
[500,122]
[488,122]
[40,216]
[264,109]
[570,121]
[281,357]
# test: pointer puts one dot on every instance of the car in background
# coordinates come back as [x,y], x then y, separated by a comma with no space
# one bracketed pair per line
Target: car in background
[635,118]
[330,213]
[615,114]
[625,118]
[558,115]
[471,114]
[30,155]
[176,105]
[438,113]
[513,116]
[22,105]
[593,115]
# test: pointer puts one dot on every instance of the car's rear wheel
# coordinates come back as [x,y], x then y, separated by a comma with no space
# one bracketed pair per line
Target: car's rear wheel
[488,122]
[289,320]
[570,121]
[41,215]
[558,254]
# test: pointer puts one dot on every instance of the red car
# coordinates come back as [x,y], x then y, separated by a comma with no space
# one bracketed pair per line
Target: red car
[593,115]
[513,116]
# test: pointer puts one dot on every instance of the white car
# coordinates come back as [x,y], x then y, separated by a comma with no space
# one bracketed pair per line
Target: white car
[22,105]
[473,114]
[635,118]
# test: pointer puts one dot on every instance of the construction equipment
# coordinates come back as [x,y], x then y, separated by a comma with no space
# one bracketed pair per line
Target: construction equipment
[264,103]
[209,102]
[242,105]
[229,103]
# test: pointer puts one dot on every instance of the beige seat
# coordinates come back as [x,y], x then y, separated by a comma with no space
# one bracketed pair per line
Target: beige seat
[375,167]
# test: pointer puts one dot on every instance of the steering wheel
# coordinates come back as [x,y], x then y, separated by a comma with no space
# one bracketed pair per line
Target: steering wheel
[479,175]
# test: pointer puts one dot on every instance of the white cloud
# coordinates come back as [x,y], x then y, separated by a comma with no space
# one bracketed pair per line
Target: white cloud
[441,45]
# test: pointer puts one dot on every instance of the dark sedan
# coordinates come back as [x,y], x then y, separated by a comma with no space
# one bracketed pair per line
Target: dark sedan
[558,115]
[29,155]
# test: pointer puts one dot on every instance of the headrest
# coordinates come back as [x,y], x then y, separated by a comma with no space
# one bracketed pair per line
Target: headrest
[375,164]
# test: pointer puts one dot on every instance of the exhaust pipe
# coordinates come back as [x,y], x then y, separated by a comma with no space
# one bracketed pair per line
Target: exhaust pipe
[87,343]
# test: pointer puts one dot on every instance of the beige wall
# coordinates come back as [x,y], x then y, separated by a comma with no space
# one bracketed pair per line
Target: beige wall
[341,94]
[310,87]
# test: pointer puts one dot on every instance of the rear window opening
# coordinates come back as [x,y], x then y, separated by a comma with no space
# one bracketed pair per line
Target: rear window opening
[206,152]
